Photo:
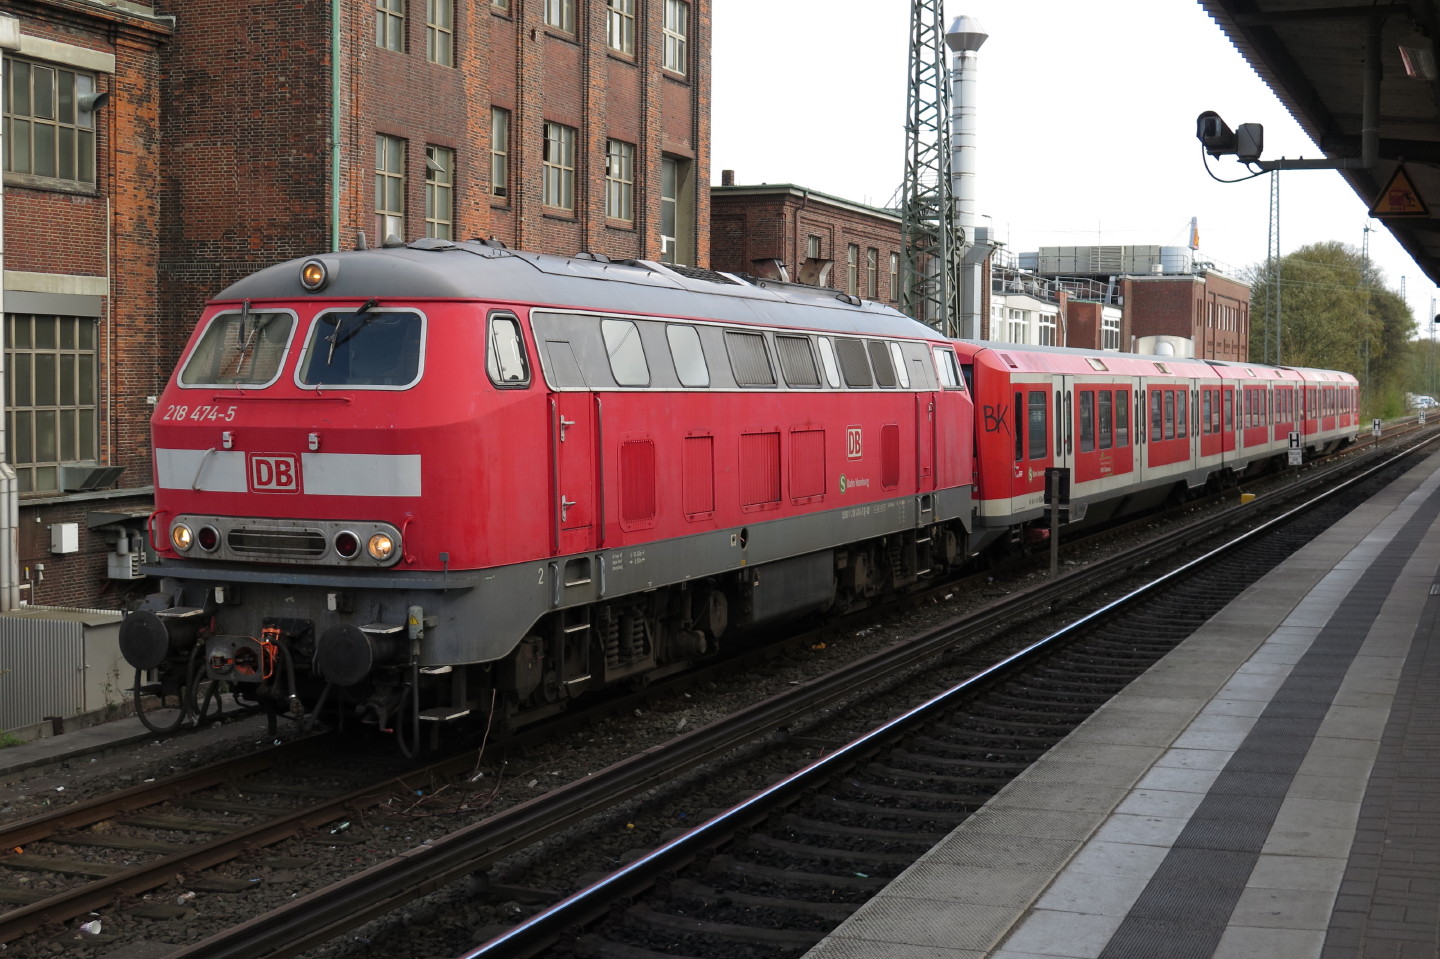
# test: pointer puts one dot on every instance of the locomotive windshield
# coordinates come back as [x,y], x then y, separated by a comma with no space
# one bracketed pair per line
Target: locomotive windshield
[243,348]
[366,347]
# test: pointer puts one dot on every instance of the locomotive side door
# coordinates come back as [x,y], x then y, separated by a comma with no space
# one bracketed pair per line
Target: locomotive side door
[572,444]
[926,413]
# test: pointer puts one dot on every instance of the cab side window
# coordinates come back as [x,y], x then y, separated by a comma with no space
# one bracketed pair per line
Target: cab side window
[505,359]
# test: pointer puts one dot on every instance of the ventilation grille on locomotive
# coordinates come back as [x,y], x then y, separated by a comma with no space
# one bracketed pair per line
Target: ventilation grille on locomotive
[277,542]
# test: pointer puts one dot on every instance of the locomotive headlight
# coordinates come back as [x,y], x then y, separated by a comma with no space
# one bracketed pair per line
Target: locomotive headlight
[181,537]
[314,275]
[381,547]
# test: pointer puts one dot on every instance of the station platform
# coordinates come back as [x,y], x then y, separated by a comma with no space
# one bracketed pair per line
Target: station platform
[1269,789]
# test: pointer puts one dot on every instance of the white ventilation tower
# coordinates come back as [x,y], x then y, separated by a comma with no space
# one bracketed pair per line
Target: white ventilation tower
[964,38]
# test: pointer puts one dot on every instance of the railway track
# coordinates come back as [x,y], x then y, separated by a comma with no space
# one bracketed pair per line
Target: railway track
[487,845]
[492,846]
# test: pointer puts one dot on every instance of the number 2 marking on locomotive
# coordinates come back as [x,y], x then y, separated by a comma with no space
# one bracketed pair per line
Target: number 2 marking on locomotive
[541,580]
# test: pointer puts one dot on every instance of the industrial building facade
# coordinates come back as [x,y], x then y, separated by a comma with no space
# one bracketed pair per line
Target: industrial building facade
[156,151]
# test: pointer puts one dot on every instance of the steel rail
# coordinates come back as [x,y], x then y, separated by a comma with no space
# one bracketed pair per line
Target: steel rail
[329,912]
[593,901]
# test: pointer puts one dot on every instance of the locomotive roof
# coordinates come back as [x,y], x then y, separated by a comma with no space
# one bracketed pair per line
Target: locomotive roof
[479,270]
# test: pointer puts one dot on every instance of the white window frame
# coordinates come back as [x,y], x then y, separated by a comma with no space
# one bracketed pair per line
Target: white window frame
[440,192]
[560,14]
[440,32]
[677,37]
[390,25]
[620,180]
[620,26]
[558,167]
[390,185]
[500,153]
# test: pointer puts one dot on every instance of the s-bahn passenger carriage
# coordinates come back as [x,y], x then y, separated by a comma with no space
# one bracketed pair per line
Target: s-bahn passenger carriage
[1331,409]
[1123,424]
[428,479]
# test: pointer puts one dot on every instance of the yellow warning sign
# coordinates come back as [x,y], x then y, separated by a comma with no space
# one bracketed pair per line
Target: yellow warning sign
[1399,198]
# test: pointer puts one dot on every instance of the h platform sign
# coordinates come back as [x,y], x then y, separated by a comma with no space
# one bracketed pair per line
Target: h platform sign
[1297,452]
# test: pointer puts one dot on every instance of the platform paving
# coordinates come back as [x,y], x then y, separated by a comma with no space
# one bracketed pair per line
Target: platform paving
[1269,789]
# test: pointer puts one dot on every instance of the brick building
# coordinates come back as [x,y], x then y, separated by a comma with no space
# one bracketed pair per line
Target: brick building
[239,133]
[790,232]
[561,126]
[81,219]
[1208,308]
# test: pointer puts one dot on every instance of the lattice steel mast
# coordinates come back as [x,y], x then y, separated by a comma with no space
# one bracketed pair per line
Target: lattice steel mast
[930,238]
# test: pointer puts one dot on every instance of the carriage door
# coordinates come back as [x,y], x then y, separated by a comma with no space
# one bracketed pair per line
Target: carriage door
[572,435]
[1065,423]
[926,414]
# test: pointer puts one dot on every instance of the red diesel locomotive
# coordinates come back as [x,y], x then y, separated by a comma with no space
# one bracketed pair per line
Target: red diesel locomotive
[449,479]
[446,480]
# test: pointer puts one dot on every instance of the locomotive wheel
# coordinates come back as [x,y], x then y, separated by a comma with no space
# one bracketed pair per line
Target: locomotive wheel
[161,706]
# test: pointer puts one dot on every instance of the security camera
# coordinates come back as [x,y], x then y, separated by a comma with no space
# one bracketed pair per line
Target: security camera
[1214,134]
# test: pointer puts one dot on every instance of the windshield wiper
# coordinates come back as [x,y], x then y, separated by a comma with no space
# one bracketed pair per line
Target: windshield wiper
[341,335]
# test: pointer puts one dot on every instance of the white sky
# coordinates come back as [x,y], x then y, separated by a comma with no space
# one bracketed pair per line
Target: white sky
[1085,124]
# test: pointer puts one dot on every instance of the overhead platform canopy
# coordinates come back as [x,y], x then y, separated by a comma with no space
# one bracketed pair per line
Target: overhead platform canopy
[1321,60]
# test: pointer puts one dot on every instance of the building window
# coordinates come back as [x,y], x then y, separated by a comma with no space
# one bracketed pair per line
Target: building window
[1047,329]
[852,269]
[1109,332]
[677,29]
[499,152]
[501,5]
[676,204]
[872,273]
[49,123]
[389,187]
[619,180]
[560,14]
[390,24]
[812,247]
[894,277]
[440,32]
[51,376]
[620,26]
[440,193]
[558,189]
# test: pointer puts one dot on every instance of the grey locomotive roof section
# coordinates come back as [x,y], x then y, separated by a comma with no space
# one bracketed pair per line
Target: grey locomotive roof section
[432,269]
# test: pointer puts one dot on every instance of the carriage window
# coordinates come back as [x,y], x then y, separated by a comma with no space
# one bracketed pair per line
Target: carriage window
[945,366]
[1122,418]
[1157,416]
[1229,411]
[853,363]
[688,356]
[749,359]
[1107,438]
[1037,425]
[1205,407]
[1169,414]
[880,360]
[828,361]
[797,360]
[505,353]
[898,359]
[627,355]
[1181,417]
[1087,422]
[241,349]
[367,347]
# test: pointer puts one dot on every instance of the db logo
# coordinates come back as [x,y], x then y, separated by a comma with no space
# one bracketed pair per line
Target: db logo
[852,442]
[273,472]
